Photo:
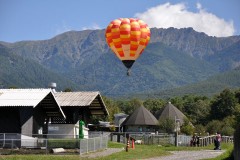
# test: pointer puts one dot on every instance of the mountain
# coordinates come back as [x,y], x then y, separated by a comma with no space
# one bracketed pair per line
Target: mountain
[17,71]
[208,87]
[227,58]
[174,58]
[196,44]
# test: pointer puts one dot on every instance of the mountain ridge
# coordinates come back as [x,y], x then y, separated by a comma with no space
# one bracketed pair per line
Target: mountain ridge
[173,58]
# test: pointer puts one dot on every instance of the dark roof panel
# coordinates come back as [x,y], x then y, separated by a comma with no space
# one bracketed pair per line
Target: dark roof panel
[170,111]
[141,116]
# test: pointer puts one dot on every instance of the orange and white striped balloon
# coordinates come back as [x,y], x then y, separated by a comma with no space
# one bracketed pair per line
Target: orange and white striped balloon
[127,37]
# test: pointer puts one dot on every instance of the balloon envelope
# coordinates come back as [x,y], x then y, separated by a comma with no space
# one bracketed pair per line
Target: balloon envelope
[127,37]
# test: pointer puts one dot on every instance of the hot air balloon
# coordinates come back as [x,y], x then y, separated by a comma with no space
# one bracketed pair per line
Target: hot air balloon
[127,37]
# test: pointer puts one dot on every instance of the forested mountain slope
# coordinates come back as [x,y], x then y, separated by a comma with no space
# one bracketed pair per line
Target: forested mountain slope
[174,58]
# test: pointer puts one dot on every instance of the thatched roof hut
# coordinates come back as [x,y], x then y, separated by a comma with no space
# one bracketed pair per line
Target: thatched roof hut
[170,112]
[141,120]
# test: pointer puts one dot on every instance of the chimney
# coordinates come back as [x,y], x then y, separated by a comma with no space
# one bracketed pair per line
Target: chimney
[53,86]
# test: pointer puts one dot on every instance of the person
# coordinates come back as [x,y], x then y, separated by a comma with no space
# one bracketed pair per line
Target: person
[217,141]
[193,141]
[198,140]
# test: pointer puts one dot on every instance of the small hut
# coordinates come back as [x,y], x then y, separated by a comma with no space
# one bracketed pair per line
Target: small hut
[141,120]
[119,119]
[170,112]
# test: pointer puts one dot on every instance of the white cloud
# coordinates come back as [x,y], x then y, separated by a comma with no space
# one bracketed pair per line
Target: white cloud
[199,6]
[93,27]
[178,16]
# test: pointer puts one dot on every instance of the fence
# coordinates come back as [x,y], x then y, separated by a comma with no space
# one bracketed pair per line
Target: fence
[80,146]
[207,140]
[148,138]
[166,139]
[93,144]
[98,141]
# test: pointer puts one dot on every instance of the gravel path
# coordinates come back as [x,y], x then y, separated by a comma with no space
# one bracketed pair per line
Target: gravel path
[105,152]
[190,155]
[176,155]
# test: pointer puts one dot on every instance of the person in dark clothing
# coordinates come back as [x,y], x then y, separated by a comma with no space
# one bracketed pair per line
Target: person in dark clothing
[194,141]
[217,141]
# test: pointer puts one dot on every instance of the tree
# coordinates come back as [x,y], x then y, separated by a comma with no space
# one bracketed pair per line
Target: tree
[67,90]
[200,129]
[13,87]
[237,95]
[187,127]
[178,102]
[237,114]
[229,124]
[153,105]
[200,111]
[214,126]
[167,125]
[129,106]
[112,108]
[224,105]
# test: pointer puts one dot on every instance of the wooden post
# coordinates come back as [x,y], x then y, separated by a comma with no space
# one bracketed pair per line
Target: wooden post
[127,146]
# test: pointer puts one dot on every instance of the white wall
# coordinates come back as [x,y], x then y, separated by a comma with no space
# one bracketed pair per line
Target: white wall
[65,131]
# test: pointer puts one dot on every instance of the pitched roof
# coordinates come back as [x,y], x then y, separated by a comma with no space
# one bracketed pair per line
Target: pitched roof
[92,100]
[75,98]
[22,97]
[170,111]
[31,98]
[141,116]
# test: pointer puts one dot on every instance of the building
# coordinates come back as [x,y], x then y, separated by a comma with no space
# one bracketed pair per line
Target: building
[141,120]
[170,112]
[43,111]
[76,106]
[27,111]
[118,120]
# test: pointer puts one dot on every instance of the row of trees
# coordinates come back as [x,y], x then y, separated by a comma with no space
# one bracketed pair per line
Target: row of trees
[219,113]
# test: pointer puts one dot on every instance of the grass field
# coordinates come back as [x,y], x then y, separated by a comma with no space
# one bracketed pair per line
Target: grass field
[140,152]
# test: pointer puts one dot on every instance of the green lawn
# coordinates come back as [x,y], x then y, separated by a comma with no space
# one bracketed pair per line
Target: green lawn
[140,152]
[146,151]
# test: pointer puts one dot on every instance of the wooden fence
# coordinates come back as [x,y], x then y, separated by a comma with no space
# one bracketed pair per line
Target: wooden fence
[204,141]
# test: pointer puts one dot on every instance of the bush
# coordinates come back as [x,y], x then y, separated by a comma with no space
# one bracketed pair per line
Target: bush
[200,129]
[63,143]
[167,125]
[227,131]
[187,127]
[214,126]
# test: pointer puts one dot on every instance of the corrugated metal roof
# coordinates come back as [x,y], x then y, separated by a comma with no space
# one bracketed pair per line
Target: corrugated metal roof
[22,97]
[29,98]
[75,98]
[32,97]
[92,100]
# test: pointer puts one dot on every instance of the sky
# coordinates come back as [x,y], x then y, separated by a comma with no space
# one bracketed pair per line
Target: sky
[43,19]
